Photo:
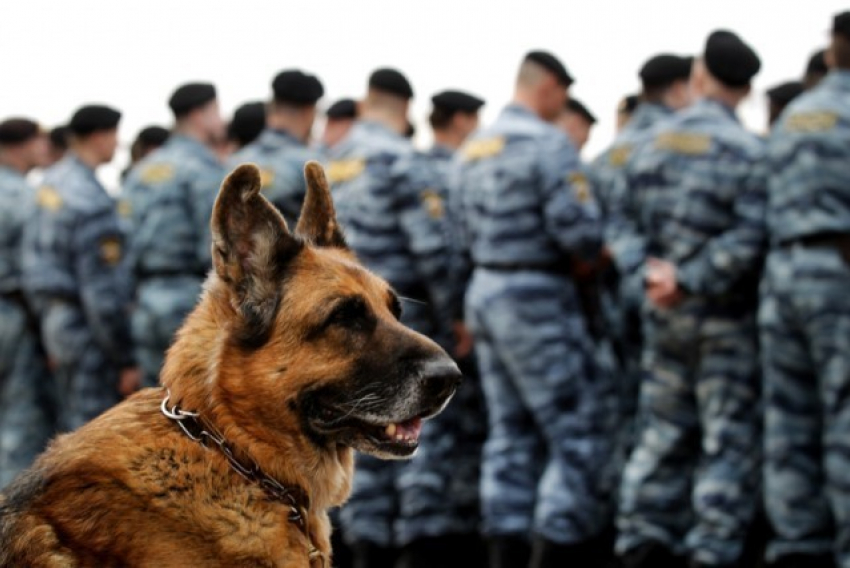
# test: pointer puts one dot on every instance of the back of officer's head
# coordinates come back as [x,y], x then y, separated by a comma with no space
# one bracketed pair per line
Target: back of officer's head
[664,80]
[389,93]
[94,131]
[196,111]
[838,54]
[23,144]
[295,95]
[726,69]
[542,84]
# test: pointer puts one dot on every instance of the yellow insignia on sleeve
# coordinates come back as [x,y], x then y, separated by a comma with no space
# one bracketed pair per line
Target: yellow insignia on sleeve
[486,148]
[111,250]
[266,178]
[811,121]
[581,187]
[157,173]
[48,198]
[618,156]
[344,170]
[433,204]
[683,143]
[125,209]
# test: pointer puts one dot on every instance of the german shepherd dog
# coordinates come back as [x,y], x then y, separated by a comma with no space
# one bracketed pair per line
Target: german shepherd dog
[293,358]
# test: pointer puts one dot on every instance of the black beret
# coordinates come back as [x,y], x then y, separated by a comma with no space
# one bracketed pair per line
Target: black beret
[576,106]
[391,81]
[817,63]
[665,68]
[841,24]
[247,123]
[92,118]
[457,101]
[343,108]
[18,131]
[730,60]
[786,92]
[628,104]
[294,86]
[59,136]
[551,64]
[153,135]
[190,96]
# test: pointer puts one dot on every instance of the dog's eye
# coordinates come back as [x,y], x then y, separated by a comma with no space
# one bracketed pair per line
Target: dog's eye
[395,306]
[351,312]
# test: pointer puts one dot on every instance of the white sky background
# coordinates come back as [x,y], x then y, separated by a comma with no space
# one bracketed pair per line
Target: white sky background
[59,54]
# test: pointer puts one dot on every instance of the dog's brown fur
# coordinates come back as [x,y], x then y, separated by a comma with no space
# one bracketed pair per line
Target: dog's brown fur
[268,357]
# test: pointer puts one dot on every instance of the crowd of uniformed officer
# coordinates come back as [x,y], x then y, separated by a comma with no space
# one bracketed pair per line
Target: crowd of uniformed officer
[657,343]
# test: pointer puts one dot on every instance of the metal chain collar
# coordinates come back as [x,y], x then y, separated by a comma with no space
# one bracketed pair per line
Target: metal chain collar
[197,429]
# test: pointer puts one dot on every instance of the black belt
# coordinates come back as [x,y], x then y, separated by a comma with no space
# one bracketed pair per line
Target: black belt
[550,268]
[819,240]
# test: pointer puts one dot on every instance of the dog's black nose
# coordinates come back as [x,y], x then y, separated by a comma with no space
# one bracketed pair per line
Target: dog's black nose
[440,377]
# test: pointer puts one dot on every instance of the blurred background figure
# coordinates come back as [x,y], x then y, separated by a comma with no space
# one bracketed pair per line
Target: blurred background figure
[816,69]
[779,97]
[147,140]
[75,274]
[576,121]
[625,110]
[58,144]
[168,198]
[339,119]
[249,120]
[26,401]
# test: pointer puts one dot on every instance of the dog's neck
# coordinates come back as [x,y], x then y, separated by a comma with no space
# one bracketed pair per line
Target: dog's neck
[193,373]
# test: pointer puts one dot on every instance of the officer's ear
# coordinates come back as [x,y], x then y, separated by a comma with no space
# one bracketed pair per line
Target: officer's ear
[317,222]
[251,249]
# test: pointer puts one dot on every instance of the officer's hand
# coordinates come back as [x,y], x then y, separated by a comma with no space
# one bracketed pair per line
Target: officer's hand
[662,288]
[129,381]
[463,340]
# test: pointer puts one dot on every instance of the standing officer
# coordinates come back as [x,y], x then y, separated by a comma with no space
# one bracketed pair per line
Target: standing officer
[281,150]
[694,211]
[816,69]
[25,383]
[439,517]
[576,120]
[526,218]
[387,198]
[169,198]
[248,122]
[339,119]
[804,320]
[779,97]
[75,275]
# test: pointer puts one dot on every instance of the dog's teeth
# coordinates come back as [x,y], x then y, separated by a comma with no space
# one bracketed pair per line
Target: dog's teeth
[399,437]
[391,430]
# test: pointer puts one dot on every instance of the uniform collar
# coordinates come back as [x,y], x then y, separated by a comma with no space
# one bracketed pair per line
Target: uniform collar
[279,136]
[647,115]
[713,106]
[193,146]
[376,127]
[837,79]
[441,151]
[8,170]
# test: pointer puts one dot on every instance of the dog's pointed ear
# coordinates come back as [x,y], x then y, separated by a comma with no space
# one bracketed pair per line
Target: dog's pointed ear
[251,248]
[317,222]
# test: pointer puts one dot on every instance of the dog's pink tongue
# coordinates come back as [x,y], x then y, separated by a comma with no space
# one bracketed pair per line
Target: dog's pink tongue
[411,429]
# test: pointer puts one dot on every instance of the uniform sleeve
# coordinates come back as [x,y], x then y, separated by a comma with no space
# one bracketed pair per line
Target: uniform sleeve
[571,216]
[623,234]
[102,276]
[736,253]
[423,220]
[202,192]
[461,267]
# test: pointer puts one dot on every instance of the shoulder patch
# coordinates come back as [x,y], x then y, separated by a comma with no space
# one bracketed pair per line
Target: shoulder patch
[157,173]
[683,143]
[266,178]
[581,187]
[344,170]
[48,198]
[618,156]
[111,250]
[486,148]
[433,203]
[811,121]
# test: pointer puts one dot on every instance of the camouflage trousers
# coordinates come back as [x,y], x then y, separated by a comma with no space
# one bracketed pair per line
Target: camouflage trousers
[551,409]
[691,482]
[162,303]
[805,333]
[26,402]
[86,379]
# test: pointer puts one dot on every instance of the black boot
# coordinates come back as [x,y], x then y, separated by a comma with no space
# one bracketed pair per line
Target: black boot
[448,551]
[592,553]
[508,552]
[369,555]
[652,555]
[805,561]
